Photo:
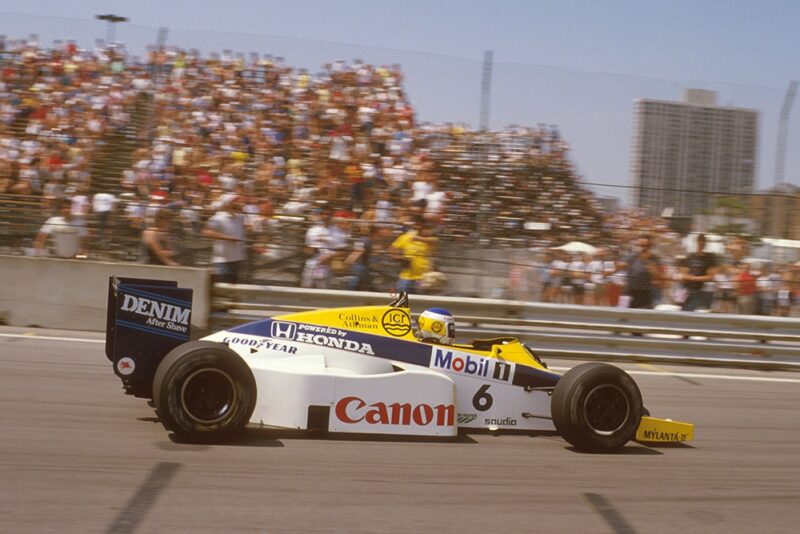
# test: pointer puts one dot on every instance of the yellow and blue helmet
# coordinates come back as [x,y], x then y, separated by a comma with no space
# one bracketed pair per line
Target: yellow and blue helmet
[437,324]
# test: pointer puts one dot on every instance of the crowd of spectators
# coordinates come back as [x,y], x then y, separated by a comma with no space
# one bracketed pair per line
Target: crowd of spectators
[648,275]
[329,172]
[56,107]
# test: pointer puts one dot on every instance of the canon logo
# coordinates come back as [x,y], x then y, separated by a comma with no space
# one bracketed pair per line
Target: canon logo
[354,410]
[153,308]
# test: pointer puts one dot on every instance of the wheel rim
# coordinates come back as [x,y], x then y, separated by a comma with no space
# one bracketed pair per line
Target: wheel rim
[606,409]
[208,395]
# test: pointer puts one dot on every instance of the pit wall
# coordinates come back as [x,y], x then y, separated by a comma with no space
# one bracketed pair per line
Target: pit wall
[72,294]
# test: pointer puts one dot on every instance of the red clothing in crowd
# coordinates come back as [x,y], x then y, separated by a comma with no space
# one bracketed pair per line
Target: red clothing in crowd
[747,283]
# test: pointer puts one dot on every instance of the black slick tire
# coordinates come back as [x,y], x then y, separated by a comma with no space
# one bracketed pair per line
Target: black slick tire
[596,407]
[204,392]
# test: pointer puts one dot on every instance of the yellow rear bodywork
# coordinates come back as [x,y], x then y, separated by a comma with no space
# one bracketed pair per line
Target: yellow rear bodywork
[655,430]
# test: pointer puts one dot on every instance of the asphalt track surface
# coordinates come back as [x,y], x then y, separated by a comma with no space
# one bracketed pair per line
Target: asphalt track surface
[76,455]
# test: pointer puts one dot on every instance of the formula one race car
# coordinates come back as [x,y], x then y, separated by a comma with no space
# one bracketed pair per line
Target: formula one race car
[358,370]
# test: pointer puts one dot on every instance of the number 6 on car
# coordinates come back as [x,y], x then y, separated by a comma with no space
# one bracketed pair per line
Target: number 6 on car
[358,370]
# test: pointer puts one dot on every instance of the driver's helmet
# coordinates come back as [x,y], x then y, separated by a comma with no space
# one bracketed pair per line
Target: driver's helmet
[438,325]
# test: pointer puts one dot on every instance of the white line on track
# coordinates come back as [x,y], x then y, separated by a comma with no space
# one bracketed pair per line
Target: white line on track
[54,338]
[644,373]
[703,375]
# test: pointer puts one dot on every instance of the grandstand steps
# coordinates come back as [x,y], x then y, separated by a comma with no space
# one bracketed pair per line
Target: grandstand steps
[112,158]
[19,125]
[20,219]
[115,154]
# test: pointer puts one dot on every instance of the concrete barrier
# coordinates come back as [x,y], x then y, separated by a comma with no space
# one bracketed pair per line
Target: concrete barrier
[72,294]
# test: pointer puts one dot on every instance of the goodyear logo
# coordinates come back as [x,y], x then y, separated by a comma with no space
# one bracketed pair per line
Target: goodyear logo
[396,322]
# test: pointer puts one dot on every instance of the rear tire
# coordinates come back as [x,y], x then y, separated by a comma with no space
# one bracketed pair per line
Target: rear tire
[204,392]
[596,407]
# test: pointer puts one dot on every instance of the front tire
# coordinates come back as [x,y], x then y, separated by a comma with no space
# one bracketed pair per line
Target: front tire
[204,392]
[596,407]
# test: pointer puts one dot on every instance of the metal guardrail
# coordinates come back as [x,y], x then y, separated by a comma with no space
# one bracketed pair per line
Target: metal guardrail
[561,331]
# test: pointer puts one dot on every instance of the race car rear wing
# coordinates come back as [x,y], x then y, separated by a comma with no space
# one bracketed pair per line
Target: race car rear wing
[145,319]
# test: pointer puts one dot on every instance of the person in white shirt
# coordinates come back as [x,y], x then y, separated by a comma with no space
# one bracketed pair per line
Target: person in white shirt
[421,188]
[768,284]
[725,297]
[227,229]
[316,271]
[595,279]
[558,273]
[102,205]
[383,207]
[67,234]
[578,276]
[81,204]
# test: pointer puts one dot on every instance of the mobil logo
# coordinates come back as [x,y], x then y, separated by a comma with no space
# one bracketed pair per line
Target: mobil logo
[470,364]
[281,330]
[353,410]
[460,362]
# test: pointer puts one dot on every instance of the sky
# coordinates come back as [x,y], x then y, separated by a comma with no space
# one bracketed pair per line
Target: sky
[578,64]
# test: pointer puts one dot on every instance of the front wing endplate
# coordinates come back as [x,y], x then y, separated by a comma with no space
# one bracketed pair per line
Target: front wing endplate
[655,430]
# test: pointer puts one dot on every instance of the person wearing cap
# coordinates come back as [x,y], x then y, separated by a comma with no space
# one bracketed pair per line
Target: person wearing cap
[227,228]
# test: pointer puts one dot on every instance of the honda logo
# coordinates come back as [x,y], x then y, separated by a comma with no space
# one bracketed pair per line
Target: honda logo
[283,330]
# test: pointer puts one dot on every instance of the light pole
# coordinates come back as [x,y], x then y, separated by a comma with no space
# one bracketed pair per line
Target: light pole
[112,20]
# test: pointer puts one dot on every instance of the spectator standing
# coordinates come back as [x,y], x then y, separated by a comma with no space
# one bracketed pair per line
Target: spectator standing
[767,284]
[578,275]
[358,261]
[81,204]
[67,234]
[643,270]
[611,290]
[415,248]
[784,296]
[539,282]
[155,250]
[746,290]
[697,273]
[316,270]
[617,282]
[383,267]
[384,210]
[558,273]
[102,205]
[725,301]
[227,229]
[339,236]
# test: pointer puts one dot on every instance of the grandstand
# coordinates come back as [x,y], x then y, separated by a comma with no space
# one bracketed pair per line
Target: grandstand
[184,131]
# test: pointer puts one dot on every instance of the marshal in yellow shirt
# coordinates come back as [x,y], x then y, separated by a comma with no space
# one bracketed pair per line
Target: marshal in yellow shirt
[415,250]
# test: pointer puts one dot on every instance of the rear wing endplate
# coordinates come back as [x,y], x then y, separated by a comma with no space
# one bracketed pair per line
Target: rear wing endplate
[146,319]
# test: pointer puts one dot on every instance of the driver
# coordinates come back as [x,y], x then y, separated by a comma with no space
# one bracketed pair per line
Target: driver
[436,325]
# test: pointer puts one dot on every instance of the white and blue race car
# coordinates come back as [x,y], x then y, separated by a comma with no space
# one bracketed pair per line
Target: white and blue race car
[358,370]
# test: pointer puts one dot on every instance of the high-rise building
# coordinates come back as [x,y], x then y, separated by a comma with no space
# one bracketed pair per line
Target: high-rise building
[777,211]
[684,151]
